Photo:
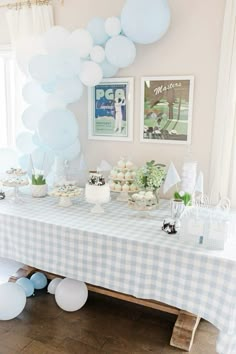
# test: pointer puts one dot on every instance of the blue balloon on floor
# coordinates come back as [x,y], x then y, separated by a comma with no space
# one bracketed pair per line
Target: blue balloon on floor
[12,300]
[27,285]
[145,21]
[39,280]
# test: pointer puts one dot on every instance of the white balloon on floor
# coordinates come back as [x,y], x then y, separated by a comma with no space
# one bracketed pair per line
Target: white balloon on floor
[12,300]
[71,294]
[53,285]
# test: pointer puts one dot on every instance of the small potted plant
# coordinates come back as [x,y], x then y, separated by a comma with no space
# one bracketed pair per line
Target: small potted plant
[39,186]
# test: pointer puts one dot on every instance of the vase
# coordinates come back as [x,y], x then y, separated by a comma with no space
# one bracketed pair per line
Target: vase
[156,193]
[39,190]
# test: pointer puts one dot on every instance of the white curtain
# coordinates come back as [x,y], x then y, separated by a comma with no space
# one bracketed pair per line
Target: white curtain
[24,21]
[223,157]
[26,24]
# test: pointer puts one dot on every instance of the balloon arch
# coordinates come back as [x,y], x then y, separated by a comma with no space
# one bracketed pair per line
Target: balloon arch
[66,62]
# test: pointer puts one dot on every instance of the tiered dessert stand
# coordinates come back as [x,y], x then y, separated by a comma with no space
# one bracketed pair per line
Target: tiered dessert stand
[16,178]
[122,179]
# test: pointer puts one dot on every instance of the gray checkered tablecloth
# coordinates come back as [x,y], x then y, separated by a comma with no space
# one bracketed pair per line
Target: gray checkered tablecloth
[122,251]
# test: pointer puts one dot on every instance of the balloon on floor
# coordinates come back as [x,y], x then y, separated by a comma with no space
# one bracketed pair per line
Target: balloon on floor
[71,294]
[12,300]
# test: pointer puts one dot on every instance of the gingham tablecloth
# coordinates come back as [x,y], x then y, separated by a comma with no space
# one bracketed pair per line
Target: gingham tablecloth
[122,251]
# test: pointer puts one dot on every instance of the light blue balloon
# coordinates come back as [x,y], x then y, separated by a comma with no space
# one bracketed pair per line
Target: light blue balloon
[41,68]
[25,143]
[66,62]
[39,280]
[145,21]
[58,129]
[49,87]
[120,51]
[27,285]
[24,162]
[96,27]
[108,69]
[36,140]
[69,153]
[43,160]
[12,300]
[68,90]
[31,116]
[33,93]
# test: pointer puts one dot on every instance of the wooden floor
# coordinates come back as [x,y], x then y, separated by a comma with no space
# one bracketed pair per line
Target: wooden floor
[103,325]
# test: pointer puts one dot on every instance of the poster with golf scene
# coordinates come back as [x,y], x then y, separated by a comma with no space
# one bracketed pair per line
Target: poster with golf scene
[166,112]
[111,110]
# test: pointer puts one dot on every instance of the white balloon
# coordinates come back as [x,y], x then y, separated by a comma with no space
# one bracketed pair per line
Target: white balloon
[113,26]
[32,115]
[12,300]
[24,142]
[91,73]
[97,54]
[33,93]
[71,294]
[55,38]
[82,40]
[53,285]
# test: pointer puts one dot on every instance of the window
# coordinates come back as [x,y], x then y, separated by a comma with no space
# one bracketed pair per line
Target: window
[11,101]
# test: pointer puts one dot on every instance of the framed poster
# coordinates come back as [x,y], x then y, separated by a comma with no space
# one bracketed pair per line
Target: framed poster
[166,109]
[111,110]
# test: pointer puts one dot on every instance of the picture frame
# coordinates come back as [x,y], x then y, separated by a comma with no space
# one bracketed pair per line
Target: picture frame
[166,109]
[110,108]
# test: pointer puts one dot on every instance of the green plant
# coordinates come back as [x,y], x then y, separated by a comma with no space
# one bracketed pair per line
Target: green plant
[186,197]
[38,180]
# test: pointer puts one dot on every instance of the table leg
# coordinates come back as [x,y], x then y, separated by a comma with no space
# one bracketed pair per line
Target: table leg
[184,330]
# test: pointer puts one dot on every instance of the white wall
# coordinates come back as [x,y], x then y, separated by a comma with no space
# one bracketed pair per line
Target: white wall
[190,47]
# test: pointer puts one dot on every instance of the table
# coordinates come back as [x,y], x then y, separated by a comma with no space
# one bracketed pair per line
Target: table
[125,253]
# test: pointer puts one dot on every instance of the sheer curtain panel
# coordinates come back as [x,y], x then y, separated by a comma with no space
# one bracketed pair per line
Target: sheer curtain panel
[223,157]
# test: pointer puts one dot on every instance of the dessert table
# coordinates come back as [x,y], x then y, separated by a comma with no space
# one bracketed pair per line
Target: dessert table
[126,253]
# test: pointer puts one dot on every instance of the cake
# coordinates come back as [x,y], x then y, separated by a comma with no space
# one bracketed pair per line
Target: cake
[97,190]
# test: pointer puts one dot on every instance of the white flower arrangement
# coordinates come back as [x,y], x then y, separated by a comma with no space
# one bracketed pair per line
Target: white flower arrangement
[151,176]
